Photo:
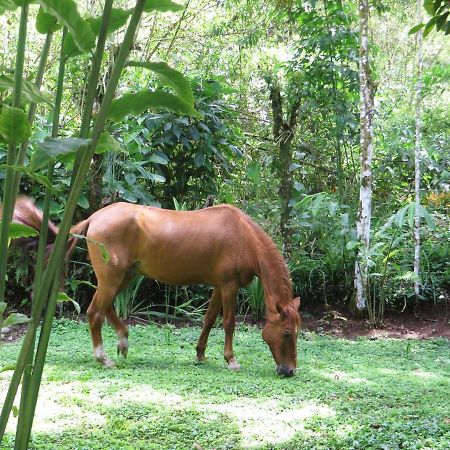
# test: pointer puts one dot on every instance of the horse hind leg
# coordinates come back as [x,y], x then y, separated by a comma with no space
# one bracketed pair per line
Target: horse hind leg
[229,294]
[98,309]
[116,322]
[214,307]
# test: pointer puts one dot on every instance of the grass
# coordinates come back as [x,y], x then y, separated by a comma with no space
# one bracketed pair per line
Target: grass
[361,394]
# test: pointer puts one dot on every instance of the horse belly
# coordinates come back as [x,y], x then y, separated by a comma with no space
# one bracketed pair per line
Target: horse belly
[179,270]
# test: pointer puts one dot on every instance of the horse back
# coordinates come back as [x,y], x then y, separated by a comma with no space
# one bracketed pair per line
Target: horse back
[211,246]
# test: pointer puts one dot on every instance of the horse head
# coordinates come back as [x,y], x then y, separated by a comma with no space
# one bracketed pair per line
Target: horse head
[280,334]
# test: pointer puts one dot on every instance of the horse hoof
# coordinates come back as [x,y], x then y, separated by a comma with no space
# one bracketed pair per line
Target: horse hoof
[122,347]
[234,365]
[108,364]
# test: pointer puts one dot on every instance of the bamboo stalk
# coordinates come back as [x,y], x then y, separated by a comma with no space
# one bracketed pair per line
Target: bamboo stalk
[93,80]
[8,194]
[33,106]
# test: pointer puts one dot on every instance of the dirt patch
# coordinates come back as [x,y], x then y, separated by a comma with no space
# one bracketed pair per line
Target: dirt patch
[402,326]
[334,323]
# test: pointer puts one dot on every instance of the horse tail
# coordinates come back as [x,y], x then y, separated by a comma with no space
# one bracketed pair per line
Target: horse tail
[26,213]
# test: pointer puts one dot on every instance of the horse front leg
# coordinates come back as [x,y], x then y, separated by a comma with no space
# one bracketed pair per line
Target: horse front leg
[229,294]
[214,307]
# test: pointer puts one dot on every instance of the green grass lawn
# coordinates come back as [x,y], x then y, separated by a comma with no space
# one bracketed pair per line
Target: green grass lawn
[360,394]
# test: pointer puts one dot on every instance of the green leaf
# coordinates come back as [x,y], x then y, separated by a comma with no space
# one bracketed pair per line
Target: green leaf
[422,212]
[7,367]
[14,125]
[429,7]
[107,143]
[18,230]
[169,77]
[3,306]
[351,245]
[162,6]
[15,411]
[83,201]
[416,28]
[117,20]
[15,319]
[254,172]
[52,148]
[66,13]
[158,159]
[7,5]
[29,93]
[144,100]
[104,252]
[46,23]
[62,297]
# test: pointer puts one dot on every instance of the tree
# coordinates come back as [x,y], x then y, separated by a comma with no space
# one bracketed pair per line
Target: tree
[365,193]
[417,157]
[284,126]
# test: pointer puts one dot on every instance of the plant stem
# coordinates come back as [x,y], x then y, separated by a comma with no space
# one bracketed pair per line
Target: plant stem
[33,106]
[8,194]
[93,79]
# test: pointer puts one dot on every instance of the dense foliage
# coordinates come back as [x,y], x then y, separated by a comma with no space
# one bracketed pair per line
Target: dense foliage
[236,52]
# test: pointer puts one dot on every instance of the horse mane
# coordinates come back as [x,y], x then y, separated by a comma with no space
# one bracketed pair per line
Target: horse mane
[271,252]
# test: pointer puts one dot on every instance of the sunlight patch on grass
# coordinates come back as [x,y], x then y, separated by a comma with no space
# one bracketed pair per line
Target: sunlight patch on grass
[263,423]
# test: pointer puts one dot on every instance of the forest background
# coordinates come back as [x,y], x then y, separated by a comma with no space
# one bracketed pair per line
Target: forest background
[261,72]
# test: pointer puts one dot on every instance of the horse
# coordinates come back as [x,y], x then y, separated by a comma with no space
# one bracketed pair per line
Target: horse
[218,246]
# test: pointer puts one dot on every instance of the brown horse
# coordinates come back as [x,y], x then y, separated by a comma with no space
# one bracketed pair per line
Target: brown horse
[219,246]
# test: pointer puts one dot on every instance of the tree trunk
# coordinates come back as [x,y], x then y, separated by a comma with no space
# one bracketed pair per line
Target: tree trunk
[416,237]
[283,133]
[96,171]
[365,193]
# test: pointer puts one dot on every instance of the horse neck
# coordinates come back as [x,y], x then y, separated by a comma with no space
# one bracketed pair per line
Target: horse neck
[274,276]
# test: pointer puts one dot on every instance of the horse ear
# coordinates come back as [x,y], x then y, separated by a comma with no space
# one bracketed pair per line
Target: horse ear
[280,311]
[296,303]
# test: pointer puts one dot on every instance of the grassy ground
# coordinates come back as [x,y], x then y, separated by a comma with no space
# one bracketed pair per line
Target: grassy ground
[347,394]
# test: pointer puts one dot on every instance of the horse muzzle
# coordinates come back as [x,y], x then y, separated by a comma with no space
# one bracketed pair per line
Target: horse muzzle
[285,371]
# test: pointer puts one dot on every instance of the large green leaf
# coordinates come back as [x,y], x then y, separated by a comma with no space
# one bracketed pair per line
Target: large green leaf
[145,100]
[117,20]
[15,319]
[162,5]
[169,77]
[52,148]
[62,297]
[429,6]
[14,125]
[107,143]
[46,23]
[18,230]
[29,92]
[66,13]
[7,5]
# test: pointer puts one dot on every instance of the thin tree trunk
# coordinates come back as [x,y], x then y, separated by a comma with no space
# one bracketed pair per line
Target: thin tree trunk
[365,193]
[283,133]
[416,237]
